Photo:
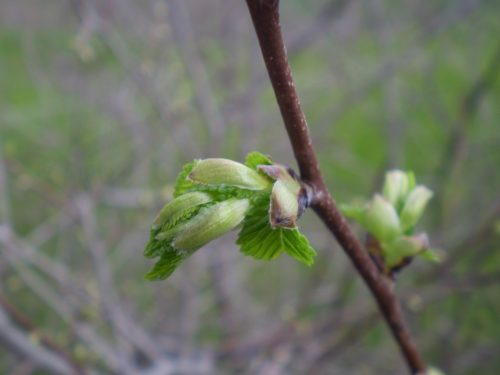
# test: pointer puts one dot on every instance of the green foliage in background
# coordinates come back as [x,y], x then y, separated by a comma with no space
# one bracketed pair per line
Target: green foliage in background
[372,106]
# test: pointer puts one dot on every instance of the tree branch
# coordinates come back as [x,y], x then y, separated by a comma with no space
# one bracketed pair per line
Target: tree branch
[265,17]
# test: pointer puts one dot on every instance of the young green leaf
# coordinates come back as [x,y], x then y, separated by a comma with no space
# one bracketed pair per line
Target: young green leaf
[210,223]
[430,255]
[182,184]
[177,208]
[255,158]
[167,264]
[259,240]
[381,219]
[414,207]
[225,172]
[353,211]
[214,196]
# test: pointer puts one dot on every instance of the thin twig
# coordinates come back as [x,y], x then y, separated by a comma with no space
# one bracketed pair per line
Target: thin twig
[29,326]
[40,355]
[265,17]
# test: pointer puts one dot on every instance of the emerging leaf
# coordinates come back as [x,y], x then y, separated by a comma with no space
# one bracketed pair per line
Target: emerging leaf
[227,172]
[214,196]
[284,210]
[391,220]
[430,255]
[381,219]
[210,223]
[259,240]
[254,159]
[167,264]
[173,210]
[285,196]
[414,207]
[182,184]
[396,186]
[404,247]
[353,211]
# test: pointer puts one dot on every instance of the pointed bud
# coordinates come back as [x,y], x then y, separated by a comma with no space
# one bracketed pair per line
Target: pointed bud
[227,172]
[176,208]
[210,223]
[287,197]
[414,206]
[381,219]
[284,208]
[404,246]
[396,186]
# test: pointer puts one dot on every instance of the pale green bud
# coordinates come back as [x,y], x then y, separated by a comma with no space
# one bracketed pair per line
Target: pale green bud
[414,206]
[404,246]
[381,219]
[396,186]
[284,208]
[285,197]
[210,223]
[176,208]
[227,172]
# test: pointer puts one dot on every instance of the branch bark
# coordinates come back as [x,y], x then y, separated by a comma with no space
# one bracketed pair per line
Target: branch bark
[265,17]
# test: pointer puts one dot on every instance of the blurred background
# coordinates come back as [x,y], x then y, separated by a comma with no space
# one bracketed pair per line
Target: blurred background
[103,101]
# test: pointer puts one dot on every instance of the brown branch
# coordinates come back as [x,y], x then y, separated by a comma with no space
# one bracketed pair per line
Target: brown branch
[265,17]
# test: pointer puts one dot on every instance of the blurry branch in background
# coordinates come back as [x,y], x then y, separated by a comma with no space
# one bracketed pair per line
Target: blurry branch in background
[107,295]
[63,305]
[46,353]
[323,20]
[456,150]
[33,337]
[476,238]
[4,190]
[24,345]
[180,21]
[213,117]
[95,20]
[125,330]
[265,17]
[437,24]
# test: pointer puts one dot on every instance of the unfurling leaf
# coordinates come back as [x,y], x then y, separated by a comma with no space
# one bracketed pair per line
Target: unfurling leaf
[381,219]
[391,219]
[210,223]
[397,185]
[173,210]
[260,240]
[227,172]
[254,159]
[414,207]
[405,246]
[214,196]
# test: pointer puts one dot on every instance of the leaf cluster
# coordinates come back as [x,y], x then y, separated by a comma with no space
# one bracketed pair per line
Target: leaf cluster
[257,238]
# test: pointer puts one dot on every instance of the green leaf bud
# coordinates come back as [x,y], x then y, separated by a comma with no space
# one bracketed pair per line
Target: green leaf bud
[381,219]
[285,196]
[430,255]
[284,208]
[396,186]
[354,211]
[174,210]
[404,246]
[227,172]
[414,207]
[210,223]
